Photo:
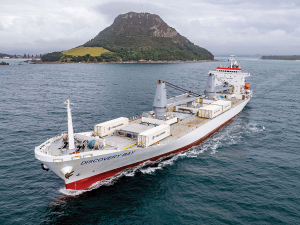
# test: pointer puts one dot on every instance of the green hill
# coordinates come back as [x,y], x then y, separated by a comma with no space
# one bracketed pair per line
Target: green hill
[135,36]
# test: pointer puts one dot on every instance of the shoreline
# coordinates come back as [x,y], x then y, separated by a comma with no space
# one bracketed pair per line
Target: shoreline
[127,62]
[282,59]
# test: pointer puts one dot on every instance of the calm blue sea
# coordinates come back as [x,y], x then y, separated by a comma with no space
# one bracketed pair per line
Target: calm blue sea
[247,173]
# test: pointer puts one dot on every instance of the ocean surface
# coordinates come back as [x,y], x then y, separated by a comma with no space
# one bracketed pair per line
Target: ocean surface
[247,173]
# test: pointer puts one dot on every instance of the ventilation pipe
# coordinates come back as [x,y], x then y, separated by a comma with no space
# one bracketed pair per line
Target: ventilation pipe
[210,90]
[160,100]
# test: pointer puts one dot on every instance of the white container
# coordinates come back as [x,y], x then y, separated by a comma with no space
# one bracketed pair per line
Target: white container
[207,101]
[210,111]
[153,135]
[226,105]
[109,127]
[202,111]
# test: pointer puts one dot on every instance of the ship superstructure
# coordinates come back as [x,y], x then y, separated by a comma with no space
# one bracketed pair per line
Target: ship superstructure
[173,125]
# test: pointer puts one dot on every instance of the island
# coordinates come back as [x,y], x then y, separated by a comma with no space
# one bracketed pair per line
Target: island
[134,37]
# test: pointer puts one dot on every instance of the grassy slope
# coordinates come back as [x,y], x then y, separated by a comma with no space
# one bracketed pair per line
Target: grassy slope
[82,51]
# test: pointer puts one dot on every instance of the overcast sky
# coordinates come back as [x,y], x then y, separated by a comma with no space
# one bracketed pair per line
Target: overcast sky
[222,27]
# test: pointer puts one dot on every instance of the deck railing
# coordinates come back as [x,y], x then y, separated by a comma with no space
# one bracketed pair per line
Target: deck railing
[45,147]
[135,117]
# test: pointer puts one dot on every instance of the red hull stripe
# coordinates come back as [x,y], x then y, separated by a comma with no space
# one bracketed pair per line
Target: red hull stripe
[224,68]
[85,183]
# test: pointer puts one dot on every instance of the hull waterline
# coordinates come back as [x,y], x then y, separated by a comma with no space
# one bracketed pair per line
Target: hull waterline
[87,182]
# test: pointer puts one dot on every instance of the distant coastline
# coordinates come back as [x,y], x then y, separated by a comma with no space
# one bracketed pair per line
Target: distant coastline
[282,57]
[140,61]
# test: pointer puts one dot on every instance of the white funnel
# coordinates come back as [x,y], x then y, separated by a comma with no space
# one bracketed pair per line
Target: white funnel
[160,99]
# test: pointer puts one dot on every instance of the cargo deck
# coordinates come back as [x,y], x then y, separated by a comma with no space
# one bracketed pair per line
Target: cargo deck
[120,142]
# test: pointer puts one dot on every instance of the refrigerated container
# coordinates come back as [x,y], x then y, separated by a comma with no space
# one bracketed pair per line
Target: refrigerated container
[226,105]
[153,135]
[109,127]
[210,111]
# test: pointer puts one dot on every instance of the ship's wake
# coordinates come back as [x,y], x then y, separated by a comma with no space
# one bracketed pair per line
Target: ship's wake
[230,135]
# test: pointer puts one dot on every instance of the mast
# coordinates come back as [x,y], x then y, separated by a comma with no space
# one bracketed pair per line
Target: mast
[70,126]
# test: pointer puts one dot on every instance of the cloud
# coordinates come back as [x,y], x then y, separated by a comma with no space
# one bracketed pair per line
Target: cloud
[221,26]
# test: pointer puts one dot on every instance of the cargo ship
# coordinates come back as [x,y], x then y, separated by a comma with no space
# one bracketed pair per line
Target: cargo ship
[172,126]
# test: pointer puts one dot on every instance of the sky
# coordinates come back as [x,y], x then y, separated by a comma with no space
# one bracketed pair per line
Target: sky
[222,27]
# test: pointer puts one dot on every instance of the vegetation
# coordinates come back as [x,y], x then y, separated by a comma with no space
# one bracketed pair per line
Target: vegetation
[155,54]
[151,48]
[5,55]
[105,57]
[82,51]
[282,57]
[51,57]
[134,37]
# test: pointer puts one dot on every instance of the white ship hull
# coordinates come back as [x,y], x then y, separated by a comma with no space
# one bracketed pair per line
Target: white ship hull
[96,168]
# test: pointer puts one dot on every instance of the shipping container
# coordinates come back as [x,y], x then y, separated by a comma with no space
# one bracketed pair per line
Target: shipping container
[202,110]
[210,111]
[109,127]
[207,101]
[226,105]
[153,135]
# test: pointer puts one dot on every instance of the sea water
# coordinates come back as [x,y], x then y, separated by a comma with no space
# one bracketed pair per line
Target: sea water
[247,173]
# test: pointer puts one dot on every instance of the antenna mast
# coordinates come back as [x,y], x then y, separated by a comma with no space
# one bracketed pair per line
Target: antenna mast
[70,126]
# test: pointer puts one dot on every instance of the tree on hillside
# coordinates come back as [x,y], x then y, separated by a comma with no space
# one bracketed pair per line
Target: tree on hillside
[99,58]
[51,57]
[110,56]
